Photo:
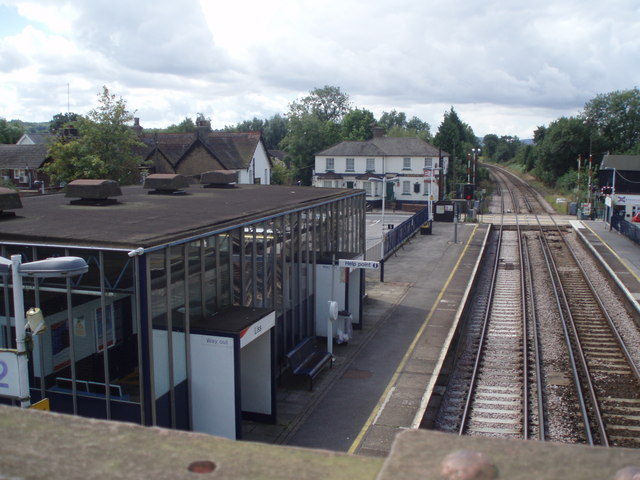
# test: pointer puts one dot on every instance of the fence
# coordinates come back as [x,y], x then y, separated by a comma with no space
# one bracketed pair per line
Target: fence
[397,236]
[628,229]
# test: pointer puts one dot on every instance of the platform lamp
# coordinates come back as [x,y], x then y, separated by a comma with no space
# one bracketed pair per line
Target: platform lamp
[59,267]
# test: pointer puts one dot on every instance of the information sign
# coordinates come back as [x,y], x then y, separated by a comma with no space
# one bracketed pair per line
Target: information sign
[359,264]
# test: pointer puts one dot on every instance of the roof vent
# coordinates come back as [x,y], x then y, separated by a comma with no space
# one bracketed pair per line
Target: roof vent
[166,184]
[93,192]
[9,200]
[219,179]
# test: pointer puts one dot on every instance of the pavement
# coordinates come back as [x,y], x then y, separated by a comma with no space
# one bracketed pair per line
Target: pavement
[379,377]
[383,377]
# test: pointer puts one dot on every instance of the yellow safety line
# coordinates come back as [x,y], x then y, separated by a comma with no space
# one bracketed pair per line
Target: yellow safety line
[613,251]
[383,398]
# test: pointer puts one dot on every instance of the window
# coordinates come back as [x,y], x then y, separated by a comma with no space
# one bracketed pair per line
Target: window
[406,187]
[371,164]
[428,163]
[350,164]
[330,164]
[327,183]
[406,164]
[367,188]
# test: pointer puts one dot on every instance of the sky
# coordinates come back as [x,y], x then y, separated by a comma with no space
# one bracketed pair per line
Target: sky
[505,66]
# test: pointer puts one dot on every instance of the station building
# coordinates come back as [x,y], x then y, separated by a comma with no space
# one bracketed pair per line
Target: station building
[192,298]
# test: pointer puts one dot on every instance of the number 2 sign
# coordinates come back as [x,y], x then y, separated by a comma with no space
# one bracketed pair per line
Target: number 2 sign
[9,374]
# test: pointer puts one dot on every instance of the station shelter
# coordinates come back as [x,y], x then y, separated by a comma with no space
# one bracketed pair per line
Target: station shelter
[209,282]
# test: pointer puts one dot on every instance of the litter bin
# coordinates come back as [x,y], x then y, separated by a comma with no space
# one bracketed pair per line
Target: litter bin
[344,327]
[426,228]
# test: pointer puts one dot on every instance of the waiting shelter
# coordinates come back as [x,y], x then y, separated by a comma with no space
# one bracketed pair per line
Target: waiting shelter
[169,272]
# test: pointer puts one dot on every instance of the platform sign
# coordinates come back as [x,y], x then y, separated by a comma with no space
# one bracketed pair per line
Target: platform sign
[359,264]
[9,374]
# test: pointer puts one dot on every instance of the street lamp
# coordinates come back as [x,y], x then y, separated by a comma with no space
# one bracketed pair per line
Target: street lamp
[476,152]
[384,194]
[50,267]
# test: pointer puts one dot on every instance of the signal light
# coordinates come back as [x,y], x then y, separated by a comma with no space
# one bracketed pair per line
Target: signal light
[467,191]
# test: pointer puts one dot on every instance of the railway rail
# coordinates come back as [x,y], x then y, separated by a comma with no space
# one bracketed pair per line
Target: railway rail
[501,386]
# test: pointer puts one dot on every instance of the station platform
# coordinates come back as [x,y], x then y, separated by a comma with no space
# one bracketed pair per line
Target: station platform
[378,383]
[383,377]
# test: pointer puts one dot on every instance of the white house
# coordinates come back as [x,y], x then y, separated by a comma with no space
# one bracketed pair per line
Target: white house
[414,170]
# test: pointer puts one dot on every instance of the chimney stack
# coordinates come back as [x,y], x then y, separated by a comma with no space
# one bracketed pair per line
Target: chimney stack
[377,131]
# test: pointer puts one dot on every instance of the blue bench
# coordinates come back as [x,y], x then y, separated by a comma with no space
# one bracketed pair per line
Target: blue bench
[305,360]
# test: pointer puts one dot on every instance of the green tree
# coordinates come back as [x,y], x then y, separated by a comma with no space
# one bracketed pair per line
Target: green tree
[329,104]
[185,126]
[104,147]
[273,129]
[356,125]
[10,132]
[490,144]
[307,135]
[280,173]
[557,153]
[60,120]
[616,117]
[456,138]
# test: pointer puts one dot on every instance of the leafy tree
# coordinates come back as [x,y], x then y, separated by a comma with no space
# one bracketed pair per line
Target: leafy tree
[280,173]
[558,151]
[616,117]
[328,104]
[356,125]
[273,129]
[104,147]
[60,120]
[10,132]
[490,144]
[392,119]
[456,138]
[185,126]
[308,135]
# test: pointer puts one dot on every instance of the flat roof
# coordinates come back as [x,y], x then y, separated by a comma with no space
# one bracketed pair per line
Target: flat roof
[140,219]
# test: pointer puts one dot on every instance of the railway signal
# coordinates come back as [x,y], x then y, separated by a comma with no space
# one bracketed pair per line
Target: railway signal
[468,191]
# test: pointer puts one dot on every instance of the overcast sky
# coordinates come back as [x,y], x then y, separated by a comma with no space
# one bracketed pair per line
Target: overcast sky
[505,66]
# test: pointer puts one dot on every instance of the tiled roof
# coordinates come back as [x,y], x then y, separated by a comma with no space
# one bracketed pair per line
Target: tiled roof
[233,150]
[22,156]
[384,146]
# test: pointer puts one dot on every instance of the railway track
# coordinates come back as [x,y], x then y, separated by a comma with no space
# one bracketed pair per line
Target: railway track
[587,390]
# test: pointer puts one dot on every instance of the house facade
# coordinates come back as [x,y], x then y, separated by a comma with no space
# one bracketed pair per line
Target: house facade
[191,154]
[20,164]
[411,170]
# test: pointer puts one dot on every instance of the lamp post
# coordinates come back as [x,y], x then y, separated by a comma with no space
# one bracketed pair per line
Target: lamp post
[384,194]
[50,267]
[476,152]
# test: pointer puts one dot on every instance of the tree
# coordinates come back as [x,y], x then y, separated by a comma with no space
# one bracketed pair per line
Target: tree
[185,126]
[490,144]
[307,135]
[60,120]
[616,117]
[392,119]
[456,138]
[557,153]
[10,132]
[356,125]
[104,147]
[273,129]
[329,104]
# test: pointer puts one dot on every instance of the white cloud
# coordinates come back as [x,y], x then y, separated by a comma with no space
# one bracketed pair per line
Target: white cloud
[506,66]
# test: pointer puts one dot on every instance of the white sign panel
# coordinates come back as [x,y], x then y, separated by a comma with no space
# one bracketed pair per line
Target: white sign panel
[359,264]
[9,374]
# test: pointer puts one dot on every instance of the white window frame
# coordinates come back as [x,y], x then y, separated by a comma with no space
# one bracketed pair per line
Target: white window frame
[406,163]
[406,187]
[428,163]
[330,164]
[367,188]
[327,183]
[350,164]
[371,164]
